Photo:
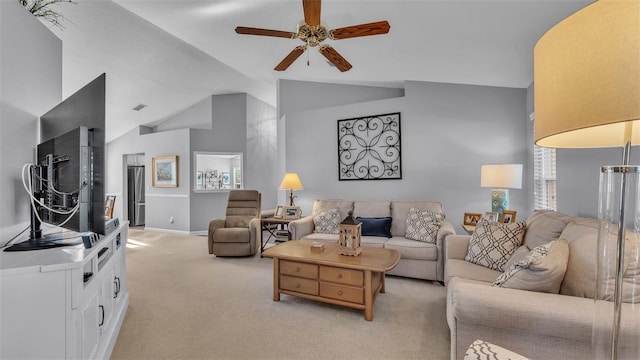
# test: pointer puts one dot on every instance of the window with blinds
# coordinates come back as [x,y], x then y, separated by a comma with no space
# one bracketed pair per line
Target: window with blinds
[544,175]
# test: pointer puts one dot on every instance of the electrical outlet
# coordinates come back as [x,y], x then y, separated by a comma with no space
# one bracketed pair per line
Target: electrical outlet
[171,220]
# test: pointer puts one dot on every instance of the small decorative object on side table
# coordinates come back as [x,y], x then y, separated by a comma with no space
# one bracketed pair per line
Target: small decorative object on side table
[469,228]
[350,236]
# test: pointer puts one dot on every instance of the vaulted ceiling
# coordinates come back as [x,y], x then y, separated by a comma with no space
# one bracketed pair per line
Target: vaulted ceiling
[170,54]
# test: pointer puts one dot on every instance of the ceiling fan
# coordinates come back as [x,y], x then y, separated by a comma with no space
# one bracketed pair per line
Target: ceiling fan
[313,32]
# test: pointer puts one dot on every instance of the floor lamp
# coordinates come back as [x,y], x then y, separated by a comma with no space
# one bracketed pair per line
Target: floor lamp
[587,95]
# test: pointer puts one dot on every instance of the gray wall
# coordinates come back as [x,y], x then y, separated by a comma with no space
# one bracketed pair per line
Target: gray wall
[291,100]
[239,124]
[448,131]
[31,73]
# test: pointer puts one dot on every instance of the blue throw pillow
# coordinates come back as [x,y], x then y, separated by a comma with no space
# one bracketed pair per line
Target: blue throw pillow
[376,226]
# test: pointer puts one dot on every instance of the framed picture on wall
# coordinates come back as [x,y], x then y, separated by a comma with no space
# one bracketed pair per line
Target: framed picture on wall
[164,171]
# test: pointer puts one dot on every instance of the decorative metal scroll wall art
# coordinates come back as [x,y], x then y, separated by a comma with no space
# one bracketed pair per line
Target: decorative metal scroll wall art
[369,148]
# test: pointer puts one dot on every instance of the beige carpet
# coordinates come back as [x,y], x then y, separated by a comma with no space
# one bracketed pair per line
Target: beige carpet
[187,304]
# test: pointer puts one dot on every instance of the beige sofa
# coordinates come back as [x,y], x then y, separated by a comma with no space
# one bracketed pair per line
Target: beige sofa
[536,325]
[417,259]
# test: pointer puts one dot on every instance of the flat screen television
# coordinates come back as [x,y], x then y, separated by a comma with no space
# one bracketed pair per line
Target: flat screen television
[69,170]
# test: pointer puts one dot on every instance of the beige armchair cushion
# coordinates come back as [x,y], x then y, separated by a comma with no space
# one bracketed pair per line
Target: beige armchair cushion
[238,234]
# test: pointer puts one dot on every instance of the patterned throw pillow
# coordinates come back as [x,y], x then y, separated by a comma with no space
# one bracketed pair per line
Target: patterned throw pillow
[481,350]
[327,222]
[542,270]
[493,243]
[423,225]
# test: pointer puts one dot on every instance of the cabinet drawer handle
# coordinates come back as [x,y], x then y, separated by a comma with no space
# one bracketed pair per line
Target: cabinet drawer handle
[339,276]
[116,282]
[102,318]
[297,285]
[297,269]
[340,292]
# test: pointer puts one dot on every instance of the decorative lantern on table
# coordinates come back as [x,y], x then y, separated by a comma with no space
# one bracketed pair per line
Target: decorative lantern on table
[350,234]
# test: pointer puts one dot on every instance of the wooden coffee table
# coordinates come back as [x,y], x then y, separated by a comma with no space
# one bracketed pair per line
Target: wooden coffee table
[330,277]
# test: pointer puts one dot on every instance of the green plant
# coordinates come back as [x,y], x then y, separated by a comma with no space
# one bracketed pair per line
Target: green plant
[41,8]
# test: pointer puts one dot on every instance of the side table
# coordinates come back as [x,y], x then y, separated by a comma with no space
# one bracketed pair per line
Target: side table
[469,228]
[271,225]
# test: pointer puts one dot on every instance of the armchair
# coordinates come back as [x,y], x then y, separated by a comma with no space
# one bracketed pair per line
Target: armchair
[238,234]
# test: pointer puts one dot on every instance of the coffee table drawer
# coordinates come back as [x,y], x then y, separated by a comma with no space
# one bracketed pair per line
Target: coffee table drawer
[305,286]
[342,276]
[309,271]
[341,292]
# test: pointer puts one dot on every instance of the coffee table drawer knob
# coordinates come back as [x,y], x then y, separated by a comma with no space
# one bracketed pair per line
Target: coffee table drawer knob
[339,276]
[340,292]
[297,269]
[298,285]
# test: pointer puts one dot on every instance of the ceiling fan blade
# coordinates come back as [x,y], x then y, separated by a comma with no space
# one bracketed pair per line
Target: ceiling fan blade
[335,58]
[311,12]
[289,59]
[265,32]
[374,28]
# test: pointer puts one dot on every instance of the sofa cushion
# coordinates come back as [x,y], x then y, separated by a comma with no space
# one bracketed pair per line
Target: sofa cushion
[464,269]
[400,210]
[410,249]
[232,235]
[579,280]
[582,236]
[376,226]
[344,205]
[541,270]
[423,225]
[518,255]
[327,221]
[482,350]
[372,208]
[373,241]
[493,243]
[544,226]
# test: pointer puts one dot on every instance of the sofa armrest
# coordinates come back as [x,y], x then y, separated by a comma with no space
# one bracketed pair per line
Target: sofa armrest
[446,229]
[476,304]
[301,227]
[213,225]
[255,228]
[455,246]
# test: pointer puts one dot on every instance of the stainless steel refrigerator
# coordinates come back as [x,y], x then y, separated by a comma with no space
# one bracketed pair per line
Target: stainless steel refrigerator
[135,181]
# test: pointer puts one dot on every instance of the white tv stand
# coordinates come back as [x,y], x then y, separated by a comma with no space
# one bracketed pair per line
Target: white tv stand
[63,303]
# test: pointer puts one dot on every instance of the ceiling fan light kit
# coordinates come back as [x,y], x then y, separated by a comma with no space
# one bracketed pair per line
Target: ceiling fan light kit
[313,32]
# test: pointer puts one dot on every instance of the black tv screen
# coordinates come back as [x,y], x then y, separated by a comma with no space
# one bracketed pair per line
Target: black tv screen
[76,128]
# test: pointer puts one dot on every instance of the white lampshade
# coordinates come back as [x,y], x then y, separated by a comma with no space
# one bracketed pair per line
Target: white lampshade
[291,181]
[504,176]
[587,78]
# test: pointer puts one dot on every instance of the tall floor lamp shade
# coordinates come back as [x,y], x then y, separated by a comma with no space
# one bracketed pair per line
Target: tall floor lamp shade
[587,95]
[291,181]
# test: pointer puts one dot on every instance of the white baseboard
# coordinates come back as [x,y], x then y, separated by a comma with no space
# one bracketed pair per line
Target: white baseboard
[167,230]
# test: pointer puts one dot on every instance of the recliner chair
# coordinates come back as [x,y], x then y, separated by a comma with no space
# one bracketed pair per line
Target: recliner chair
[238,234]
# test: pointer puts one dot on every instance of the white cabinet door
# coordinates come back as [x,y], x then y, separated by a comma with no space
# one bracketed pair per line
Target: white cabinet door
[107,290]
[91,316]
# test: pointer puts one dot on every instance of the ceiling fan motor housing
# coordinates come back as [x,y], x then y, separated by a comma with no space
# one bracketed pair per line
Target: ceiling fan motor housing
[312,35]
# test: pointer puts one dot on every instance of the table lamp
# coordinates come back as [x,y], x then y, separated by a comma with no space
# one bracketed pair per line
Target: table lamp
[587,95]
[291,182]
[501,178]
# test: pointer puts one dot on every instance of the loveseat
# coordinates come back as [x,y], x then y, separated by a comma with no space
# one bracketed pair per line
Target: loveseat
[418,259]
[552,322]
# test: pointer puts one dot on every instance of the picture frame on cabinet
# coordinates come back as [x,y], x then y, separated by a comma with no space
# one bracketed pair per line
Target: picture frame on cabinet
[471,218]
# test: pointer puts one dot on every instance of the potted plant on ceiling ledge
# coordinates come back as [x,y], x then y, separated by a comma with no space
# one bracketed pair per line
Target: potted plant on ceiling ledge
[42,9]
